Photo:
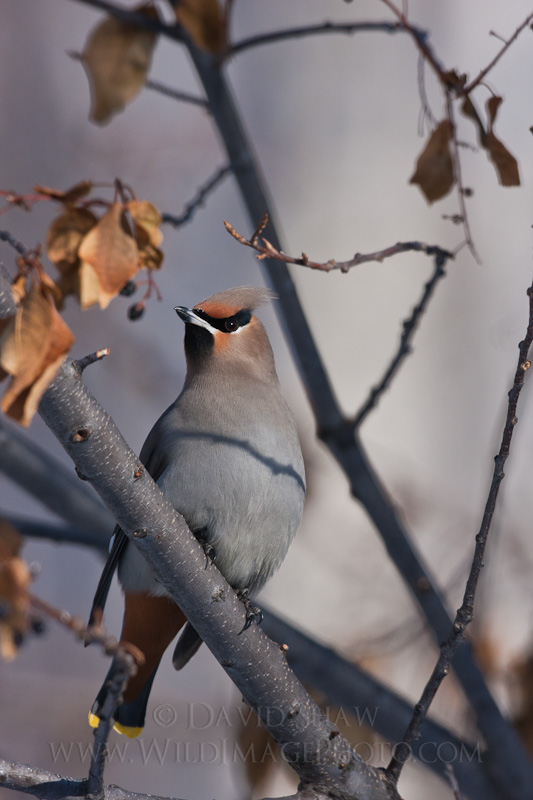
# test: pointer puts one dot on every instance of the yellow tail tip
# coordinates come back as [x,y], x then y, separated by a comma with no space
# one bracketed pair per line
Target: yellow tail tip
[94,721]
[127,730]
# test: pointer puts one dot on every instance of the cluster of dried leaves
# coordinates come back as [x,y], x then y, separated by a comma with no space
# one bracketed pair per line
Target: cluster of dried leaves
[435,172]
[96,256]
[117,55]
[15,578]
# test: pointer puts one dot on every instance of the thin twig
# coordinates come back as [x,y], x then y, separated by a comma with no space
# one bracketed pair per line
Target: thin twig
[420,37]
[185,97]
[198,201]
[466,611]
[267,250]
[479,78]
[156,86]
[450,772]
[408,330]
[125,660]
[312,30]
[461,191]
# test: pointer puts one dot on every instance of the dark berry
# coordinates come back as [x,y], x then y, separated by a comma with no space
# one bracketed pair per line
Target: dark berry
[136,311]
[128,289]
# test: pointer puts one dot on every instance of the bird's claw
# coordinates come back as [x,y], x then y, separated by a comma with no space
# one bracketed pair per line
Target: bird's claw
[253,612]
[210,554]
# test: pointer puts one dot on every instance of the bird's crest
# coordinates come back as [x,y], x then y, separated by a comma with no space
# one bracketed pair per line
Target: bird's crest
[230,301]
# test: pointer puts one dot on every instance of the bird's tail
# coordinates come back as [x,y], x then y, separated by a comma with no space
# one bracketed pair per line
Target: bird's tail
[186,646]
[150,623]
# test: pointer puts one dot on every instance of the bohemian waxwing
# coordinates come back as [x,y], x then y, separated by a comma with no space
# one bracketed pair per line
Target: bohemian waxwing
[227,456]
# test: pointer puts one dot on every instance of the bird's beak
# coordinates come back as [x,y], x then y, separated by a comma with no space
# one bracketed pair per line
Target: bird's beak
[189,317]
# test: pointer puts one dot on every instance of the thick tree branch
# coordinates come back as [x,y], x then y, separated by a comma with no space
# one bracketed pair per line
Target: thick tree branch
[53,484]
[51,786]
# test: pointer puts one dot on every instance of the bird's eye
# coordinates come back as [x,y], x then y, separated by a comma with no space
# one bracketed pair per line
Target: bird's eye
[231,325]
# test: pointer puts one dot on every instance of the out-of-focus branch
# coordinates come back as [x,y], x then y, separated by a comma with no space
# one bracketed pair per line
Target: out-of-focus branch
[312,30]
[57,487]
[466,612]
[203,192]
[175,94]
[68,534]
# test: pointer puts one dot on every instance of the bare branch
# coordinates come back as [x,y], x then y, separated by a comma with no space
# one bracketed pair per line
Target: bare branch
[57,487]
[209,186]
[312,30]
[183,97]
[509,761]
[268,250]
[461,191]
[348,686]
[466,612]
[481,76]
[53,532]
[404,349]
[51,786]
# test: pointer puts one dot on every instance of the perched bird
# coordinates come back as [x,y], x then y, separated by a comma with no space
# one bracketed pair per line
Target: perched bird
[227,456]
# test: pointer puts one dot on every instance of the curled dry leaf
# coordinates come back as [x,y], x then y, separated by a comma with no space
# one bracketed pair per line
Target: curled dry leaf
[147,220]
[76,192]
[65,235]
[434,168]
[33,345]
[117,57]
[14,600]
[112,254]
[505,164]
[148,217]
[202,19]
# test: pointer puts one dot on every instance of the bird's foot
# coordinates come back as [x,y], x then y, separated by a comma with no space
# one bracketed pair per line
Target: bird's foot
[253,612]
[210,553]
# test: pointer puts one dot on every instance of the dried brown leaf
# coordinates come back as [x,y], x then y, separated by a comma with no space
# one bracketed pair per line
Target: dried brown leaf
[65,236]
[111,252]
[32,347]
[469,110]
[202,19]
[434,168]
[10,540]
[492,105]
[89,288]
[15,578]
[117,57]
[506,164]
[148,217]
[76,192]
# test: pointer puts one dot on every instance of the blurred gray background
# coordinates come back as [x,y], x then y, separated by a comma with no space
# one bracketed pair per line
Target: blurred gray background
[335,125]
